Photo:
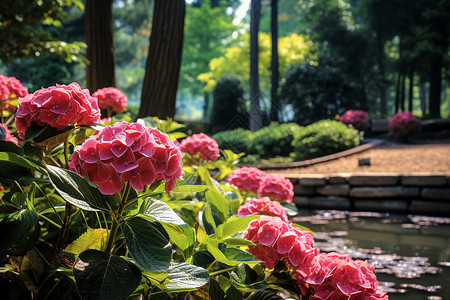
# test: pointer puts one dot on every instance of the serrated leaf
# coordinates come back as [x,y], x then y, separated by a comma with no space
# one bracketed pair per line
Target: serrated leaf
[7,146]
[219,203]
[14,227]
[92,239]
[77,191]
[160,211]
[237,242]
[186,276]
[148,244]
[215,291]
[100,275]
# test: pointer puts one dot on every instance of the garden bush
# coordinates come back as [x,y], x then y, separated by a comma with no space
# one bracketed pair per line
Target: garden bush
[358,119]
[273,140]
[324,137]
[228,110]
[236,140]
[404,125]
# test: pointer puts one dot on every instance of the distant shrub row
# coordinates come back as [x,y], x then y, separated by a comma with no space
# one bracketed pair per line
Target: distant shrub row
[320,138]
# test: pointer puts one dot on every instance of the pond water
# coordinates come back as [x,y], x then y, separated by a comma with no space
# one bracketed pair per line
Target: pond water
[411,253]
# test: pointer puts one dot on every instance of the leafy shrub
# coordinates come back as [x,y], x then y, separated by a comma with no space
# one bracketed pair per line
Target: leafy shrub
[228,110]
[359,119]
[404,125]
[275,139]
[235,140]
[324,137]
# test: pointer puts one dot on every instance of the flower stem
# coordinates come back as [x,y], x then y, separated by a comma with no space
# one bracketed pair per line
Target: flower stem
[117,215]
[66,152]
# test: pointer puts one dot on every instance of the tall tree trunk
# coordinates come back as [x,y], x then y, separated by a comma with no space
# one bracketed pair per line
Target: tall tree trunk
[397,93]
[383,85]
[162,70]
[411,91]
[99,36]
[255,94]
[423,97]
[435,86]
[274,65]
[402,94]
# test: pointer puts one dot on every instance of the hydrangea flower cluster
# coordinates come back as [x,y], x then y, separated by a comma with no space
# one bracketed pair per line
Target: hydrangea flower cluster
[404,125]
[246,178]
[128,152]
[111,97]
[57,106]
[336,276]
[276,188]
[318,275]
[201,144]
[263,206]
[8,136]
[11,88]
[279,240]
[359,119]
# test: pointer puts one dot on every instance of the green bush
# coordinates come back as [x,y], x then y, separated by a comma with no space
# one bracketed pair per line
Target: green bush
[236,139]
[273,140]
[324,137]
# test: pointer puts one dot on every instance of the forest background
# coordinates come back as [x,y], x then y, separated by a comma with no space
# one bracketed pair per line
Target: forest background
[377,55]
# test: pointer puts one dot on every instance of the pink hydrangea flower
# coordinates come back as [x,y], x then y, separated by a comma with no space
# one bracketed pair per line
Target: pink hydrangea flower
[128,152]
[335,276]
[404,125]
[9,136]
[111,97]
[359,119]
[201,144]
[290,243]
[263,206]
[246,178]
[11,88]
[58,106]
[266,254]
[276,188]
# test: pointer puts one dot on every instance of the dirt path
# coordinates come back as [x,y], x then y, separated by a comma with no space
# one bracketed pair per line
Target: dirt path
[389,157]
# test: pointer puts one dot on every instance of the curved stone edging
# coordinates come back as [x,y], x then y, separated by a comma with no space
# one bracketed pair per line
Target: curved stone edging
[372,143]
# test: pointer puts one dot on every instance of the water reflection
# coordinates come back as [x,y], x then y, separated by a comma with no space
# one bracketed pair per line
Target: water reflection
[411,253]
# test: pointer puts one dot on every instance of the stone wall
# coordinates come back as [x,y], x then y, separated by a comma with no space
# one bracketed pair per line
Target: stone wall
[389,192]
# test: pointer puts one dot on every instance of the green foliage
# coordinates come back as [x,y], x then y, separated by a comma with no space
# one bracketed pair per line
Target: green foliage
[324,137]
[318,92]
[273,140]
[24,29]
[229,109]
[236,139]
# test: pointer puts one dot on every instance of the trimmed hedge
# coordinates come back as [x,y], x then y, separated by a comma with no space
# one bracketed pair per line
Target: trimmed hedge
[274,140]
[235,140]
[324,137]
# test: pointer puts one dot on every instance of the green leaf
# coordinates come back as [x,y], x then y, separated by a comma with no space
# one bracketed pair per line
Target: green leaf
[17,160]
[91,239]
[290,208]
[148,244]
[239,255]
[14,227]
[233,225]
[266,295]
[160,211]
[46,134]
[237,242]
[219,203]
[100,275]
[181,235]
[186,276]
[7,146]
[77,191]
[184,189]
[215,291]
[212,245]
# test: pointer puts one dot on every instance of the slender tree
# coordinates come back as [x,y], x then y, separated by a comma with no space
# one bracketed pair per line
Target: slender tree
[99,35]
[274,62]
[255,93]
[164,60]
